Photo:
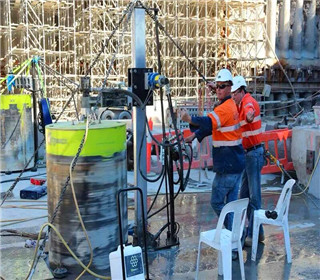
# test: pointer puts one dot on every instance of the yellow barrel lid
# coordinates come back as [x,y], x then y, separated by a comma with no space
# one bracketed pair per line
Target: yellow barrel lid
[104,139]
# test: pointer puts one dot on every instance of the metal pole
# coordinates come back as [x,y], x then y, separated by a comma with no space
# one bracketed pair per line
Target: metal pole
[139,61]
[35,115]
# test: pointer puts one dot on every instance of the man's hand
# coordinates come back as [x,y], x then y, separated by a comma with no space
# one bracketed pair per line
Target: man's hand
[185,116]
[250,116]
[210,87]
[190,138]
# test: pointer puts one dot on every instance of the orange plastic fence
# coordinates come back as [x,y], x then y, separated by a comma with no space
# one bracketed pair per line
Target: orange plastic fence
[278,142]
[203,160]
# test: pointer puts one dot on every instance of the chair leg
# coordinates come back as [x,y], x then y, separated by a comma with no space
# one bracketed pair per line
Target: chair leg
[241,260]
[255,237]
[220,270]
[226,261]
[198,260]
[287,240]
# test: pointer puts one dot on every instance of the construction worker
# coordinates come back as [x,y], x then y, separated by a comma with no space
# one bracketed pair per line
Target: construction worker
[227,152]
[250,122]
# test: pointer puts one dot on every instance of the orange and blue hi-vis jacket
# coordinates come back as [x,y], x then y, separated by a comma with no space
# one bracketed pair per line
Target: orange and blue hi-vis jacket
[223,124]
[251,132]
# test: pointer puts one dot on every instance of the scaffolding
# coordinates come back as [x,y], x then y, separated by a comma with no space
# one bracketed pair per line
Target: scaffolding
[68,35]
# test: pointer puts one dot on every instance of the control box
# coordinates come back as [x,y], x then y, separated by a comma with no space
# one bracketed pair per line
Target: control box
[133,263]
[33,192]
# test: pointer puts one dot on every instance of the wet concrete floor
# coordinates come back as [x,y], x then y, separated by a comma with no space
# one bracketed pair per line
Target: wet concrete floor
[194,214]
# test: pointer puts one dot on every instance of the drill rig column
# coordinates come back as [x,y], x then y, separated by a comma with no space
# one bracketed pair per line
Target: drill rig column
[139,115]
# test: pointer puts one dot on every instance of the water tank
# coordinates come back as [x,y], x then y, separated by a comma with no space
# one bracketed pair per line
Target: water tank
[17,137]
[99,173]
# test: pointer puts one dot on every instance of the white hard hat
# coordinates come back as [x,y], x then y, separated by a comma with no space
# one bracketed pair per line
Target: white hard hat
[224,75]
[238,82]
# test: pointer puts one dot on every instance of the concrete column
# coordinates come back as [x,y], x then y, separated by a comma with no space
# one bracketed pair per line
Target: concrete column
[311,30]
[284,29]
[271,26]
[297,30]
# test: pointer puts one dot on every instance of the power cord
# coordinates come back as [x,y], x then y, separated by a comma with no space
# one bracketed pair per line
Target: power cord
[282,169]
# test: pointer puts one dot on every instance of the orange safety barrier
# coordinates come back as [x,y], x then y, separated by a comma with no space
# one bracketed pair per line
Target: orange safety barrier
[149,145]
[204,160]
[278,143]
[274,141]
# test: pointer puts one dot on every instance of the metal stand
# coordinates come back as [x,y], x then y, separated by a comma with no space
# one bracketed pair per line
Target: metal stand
[138,190]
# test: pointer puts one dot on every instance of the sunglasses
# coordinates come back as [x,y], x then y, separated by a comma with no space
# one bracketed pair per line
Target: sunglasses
[223,86]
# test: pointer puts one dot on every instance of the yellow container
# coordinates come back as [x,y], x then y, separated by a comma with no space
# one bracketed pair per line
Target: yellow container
[98,175]
[16,126]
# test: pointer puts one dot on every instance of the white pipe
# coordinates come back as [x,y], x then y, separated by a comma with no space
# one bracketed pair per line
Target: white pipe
[271,27]
[311,30]
[284,29]
[297,30]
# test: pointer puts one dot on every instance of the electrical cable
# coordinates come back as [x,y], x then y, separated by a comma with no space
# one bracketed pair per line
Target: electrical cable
[176,230]
[55,212]
[37,254]
[158,191]
[282,169]
[177,135]
[77,206]
[67,247]
[311,175]
[72,96]
[186,182]
[178,141]
[156,195]
[116,92]
[162,172]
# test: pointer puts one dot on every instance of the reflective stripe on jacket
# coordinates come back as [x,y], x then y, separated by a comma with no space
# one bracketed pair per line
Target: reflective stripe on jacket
[225,125]
[251,132]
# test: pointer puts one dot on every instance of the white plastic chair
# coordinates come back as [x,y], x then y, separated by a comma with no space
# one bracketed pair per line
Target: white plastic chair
[282,210]
[225,240]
